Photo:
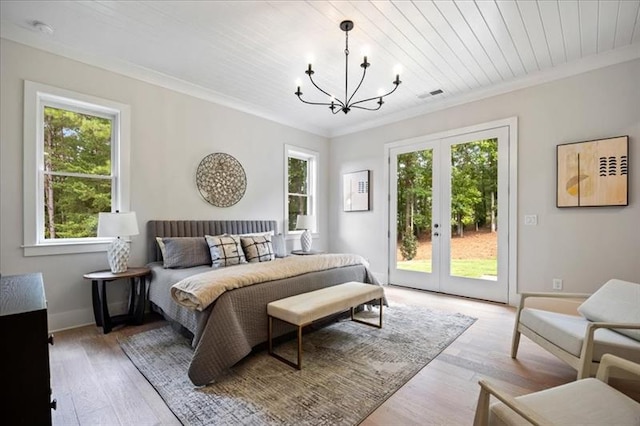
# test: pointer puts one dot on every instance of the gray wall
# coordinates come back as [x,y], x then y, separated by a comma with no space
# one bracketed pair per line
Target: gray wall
[584,246]
[170,134]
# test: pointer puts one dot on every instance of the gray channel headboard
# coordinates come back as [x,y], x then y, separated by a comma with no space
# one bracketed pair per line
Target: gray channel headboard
[200,228]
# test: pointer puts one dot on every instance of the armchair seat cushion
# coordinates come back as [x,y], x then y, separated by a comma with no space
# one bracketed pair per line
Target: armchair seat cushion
[567,332]
[576,403]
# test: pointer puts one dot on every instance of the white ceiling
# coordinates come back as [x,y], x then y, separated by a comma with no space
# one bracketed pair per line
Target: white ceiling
[249,54]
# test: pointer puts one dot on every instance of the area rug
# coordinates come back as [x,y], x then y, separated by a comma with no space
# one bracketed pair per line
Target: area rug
[349,369]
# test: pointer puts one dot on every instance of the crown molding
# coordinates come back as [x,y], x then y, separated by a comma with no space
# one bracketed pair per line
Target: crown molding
[612,57]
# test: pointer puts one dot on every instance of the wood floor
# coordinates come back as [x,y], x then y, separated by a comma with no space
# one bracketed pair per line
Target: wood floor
[95,383]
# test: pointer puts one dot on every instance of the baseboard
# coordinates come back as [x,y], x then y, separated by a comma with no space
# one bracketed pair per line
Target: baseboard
[80,317]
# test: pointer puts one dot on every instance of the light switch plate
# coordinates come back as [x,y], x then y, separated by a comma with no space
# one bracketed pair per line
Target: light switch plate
[530,219]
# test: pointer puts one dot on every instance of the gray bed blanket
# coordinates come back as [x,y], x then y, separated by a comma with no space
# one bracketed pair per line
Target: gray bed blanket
[229,328]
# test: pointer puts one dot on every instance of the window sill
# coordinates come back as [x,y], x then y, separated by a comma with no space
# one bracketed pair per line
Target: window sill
[47,249]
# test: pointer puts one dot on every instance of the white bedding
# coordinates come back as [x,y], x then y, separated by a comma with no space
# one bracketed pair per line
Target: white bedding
[199,291]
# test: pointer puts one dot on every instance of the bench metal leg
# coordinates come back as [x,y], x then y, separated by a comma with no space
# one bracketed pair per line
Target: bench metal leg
[379,325]
[297,365]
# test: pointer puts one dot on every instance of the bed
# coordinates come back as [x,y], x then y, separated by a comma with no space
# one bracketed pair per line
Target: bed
[227,330]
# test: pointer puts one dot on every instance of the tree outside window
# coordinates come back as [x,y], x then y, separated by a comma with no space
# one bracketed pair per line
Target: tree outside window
[77,179]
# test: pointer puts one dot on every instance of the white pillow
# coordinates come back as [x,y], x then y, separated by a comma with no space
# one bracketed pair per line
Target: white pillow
[616,301]
[258,234]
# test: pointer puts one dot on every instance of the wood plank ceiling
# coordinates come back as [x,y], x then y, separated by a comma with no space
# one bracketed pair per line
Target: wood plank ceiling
[249,54]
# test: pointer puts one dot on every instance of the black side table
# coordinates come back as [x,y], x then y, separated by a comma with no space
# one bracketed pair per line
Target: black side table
[137,297]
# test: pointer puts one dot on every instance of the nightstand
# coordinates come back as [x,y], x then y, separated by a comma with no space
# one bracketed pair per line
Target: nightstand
[137,297]
[306,253]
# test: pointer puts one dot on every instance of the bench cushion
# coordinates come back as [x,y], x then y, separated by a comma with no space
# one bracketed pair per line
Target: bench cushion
[308,307]
[567,332]
[616,301]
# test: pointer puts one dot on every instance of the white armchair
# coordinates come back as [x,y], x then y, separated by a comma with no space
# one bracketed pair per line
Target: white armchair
[609,323]
[583,402]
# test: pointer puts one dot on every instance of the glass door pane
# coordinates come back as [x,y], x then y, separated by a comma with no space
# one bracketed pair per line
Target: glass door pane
[474,206]
[414,207]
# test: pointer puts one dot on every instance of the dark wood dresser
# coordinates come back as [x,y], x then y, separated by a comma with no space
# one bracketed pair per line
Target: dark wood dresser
[24,352]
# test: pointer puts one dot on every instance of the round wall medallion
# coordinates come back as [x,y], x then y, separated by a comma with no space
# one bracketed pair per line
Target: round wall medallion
[221,179]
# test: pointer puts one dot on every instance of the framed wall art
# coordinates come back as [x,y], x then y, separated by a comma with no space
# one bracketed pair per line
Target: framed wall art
[593,173]
[355,191]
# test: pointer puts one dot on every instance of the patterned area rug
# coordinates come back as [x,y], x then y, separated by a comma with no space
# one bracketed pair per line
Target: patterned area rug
[349,369]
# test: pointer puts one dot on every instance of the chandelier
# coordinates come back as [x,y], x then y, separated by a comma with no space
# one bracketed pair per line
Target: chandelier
[335,104]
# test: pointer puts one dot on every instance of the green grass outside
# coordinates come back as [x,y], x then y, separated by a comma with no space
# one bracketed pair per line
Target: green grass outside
[469,268]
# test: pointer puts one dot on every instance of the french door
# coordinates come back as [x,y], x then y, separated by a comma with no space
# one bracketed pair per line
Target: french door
[449,214]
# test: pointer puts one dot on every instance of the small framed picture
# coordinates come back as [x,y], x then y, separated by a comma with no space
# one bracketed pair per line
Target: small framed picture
[593,173]
[355,192]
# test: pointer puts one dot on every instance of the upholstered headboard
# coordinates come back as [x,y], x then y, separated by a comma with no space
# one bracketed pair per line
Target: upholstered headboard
[200,228]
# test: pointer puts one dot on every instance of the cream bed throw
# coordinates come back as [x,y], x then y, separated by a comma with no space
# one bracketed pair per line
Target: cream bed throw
[199,291]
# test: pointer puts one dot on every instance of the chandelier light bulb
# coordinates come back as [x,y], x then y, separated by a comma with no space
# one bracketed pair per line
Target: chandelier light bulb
[347,103]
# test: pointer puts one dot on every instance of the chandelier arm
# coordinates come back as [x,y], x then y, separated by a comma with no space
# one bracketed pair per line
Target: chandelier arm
[364,72]
[375,97]
[328,94]
[368,109]
[314,103]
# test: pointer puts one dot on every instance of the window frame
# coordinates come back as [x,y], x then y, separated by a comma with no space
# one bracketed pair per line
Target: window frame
[37,96]
[312,158]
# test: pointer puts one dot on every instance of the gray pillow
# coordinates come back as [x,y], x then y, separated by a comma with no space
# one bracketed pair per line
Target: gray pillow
[279,246]
[184,252]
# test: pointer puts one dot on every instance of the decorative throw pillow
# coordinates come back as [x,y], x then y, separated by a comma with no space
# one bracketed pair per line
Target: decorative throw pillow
[279,246]
[258,249]
[226,248]
[184,252]
[615,301]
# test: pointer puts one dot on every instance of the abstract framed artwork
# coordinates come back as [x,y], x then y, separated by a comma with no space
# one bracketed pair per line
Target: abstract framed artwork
[593,173]
[355,191]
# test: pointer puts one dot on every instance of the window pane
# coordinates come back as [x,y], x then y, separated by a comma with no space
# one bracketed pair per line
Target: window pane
[298,176]
[297,205]
[76,143]
[72,204]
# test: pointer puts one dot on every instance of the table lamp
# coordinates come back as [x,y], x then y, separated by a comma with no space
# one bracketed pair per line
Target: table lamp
[117,225]
[305,222]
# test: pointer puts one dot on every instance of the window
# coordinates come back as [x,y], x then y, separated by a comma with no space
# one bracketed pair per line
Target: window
[300,185]
[76,165]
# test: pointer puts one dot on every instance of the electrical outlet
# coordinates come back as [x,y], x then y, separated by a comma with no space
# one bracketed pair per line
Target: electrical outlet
[557,284]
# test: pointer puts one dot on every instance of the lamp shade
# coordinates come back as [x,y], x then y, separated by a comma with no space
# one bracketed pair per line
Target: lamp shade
[305,221]
[117,224]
